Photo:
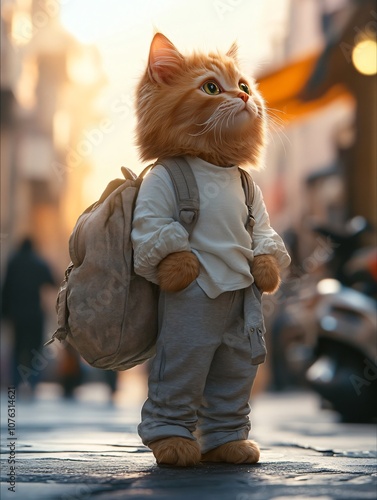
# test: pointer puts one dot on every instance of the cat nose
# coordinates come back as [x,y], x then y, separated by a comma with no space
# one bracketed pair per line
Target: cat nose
[243,96]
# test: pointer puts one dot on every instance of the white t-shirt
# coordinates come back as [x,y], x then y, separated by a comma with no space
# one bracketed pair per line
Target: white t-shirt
[219,240]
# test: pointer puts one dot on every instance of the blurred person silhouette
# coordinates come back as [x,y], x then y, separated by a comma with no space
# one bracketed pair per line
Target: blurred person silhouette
[25,277]
[111,379]
[70,374]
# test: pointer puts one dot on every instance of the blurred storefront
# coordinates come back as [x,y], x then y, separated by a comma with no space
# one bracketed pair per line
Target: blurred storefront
[322,100]
[48,86]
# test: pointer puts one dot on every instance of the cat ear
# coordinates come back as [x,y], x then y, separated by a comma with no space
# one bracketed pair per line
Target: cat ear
[233,51]
[164,59]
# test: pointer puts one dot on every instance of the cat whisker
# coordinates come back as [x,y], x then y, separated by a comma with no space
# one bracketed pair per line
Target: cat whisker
[208,125]
[213,120]
[224,116]
[279,133]
[272,114]
[276,111]
[277,127]
[230,119]
[277,124]
[227,115]
[218,127]
[226,111]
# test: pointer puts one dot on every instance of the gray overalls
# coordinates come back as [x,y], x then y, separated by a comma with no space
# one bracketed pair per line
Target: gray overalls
[206,362]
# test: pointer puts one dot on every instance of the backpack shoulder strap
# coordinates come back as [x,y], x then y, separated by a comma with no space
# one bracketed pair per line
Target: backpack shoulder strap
[249,189]
[186,190]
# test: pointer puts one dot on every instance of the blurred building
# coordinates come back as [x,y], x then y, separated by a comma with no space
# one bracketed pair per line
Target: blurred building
[321,92]
[48,86]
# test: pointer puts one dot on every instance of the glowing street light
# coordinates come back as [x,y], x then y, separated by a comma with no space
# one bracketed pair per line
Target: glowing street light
[364,57]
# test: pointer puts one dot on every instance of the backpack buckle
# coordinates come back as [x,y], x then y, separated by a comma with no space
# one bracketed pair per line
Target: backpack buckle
[188,215]
[251,221]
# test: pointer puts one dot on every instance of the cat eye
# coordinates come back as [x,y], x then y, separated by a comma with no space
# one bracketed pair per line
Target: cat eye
[211,88]
[244,87]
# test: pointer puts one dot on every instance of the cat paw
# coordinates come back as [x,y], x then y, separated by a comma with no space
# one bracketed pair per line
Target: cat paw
[177,271]
[177,451]
[266,273]
[234,452]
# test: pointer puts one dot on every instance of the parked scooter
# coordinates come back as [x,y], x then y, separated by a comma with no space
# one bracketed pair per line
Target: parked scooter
[325,336]
[344,371]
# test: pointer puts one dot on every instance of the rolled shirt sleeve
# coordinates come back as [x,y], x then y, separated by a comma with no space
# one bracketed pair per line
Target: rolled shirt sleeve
[155,230]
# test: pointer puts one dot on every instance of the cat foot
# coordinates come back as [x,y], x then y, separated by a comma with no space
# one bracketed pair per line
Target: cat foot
[177,271]
[181,452]
[266,273]
[234,452]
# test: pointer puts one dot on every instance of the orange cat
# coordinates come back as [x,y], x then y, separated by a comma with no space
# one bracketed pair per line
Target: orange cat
[202,107]
[174,119]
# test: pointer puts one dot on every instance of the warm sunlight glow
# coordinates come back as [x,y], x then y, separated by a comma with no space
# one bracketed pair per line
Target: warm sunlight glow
[25,90]
[122,32]
[61,129]
[364,57]
[92,21]
[82,68]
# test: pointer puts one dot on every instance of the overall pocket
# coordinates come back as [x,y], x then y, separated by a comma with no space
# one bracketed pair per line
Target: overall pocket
[254,324]
[258,345]
[161,369]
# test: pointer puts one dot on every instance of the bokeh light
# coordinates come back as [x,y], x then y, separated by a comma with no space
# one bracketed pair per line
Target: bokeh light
[364,57]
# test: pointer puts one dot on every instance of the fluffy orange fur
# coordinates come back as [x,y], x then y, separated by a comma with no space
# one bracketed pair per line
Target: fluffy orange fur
[177,271]
[234,452]
[177,451]
[182,452]
[266,273]
[176,117]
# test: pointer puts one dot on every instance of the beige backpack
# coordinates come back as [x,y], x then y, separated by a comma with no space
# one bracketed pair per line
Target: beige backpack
[104,310]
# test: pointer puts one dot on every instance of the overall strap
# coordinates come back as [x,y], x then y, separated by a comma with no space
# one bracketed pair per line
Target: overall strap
[249,189]
[186,190]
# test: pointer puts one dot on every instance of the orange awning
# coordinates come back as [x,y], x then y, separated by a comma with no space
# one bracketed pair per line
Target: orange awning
[282,88]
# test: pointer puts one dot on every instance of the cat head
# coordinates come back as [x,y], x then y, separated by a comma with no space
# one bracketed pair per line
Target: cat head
[198,105]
